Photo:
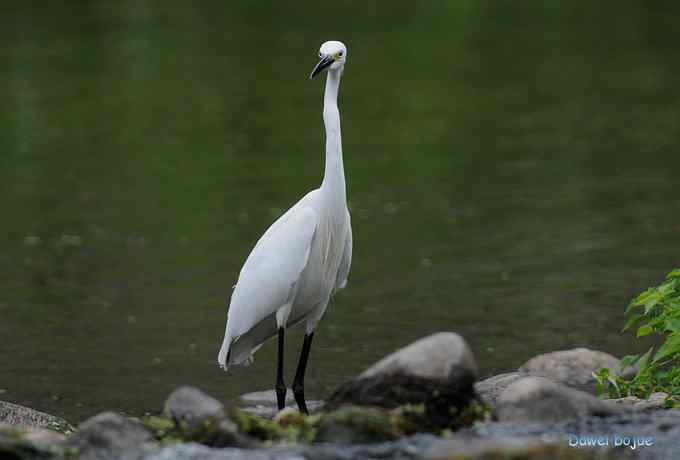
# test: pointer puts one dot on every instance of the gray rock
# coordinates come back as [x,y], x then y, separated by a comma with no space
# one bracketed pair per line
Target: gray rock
[656,401]
[192,409]
[536,399]
[201,418]
[490,389]
[438,357]
[573,368]
[264,404]
[437,371]
[110,436]
[25,417]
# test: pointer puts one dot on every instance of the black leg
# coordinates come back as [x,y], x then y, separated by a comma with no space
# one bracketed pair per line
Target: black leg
[299,382]
[280,385]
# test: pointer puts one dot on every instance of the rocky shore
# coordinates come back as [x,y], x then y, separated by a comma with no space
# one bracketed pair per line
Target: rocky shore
[424,401]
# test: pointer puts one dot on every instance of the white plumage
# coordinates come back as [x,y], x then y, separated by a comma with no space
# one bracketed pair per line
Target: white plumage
[305,256]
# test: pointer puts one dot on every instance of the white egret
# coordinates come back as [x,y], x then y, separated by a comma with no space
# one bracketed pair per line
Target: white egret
[301,260]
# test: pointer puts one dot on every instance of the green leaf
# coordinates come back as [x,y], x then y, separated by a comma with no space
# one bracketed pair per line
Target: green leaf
[669,348]
[666,288]
[640,299]
[669,402]
[673,325]
[600,377]
[615,385]
[659,367]
[644,363]
[632,321]
[627,361]
[674,274]
[651,303]
[644,330]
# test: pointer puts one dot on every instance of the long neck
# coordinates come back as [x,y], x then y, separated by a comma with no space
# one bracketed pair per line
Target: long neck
[334,175]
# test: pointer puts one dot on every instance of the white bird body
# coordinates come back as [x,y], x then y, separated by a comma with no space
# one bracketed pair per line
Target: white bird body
[302,258]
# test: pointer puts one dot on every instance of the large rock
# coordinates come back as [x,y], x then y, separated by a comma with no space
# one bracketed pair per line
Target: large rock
[573,368]
[536,399]
[437,371]
[110,436]
[25,417]
[201,418]
[191,409]
[490,389]
[441,356]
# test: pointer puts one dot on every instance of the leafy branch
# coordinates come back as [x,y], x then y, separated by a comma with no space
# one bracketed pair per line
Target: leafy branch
[654,311]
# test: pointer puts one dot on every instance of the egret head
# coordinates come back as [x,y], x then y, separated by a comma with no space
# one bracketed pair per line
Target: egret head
[333,56]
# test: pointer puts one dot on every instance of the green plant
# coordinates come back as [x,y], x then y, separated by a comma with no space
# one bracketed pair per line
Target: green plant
[654,311]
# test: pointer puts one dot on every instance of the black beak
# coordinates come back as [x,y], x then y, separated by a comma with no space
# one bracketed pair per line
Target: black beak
[323,64]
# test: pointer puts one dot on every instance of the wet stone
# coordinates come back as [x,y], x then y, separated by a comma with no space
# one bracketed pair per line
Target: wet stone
[201,418]
[573,368]
[536,399]
[437,372]
[110,436]
[25,417]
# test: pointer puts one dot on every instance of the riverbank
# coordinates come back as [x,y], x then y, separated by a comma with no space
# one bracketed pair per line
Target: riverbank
[424,401]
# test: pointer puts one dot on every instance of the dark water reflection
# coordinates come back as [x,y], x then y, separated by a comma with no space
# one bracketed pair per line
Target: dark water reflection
[513,175]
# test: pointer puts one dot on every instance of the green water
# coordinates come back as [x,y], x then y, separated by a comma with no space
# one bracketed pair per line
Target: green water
[513,173]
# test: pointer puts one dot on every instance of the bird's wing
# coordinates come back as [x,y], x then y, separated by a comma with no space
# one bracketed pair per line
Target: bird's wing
[272,269]
[346,261]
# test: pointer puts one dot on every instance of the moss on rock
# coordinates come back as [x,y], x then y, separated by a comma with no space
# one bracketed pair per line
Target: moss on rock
[162,428]
[442,400]
[353,424]
[257,427]
[346,424]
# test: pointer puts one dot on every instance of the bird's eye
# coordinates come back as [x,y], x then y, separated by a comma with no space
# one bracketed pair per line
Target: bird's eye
[320,54]
[340,54]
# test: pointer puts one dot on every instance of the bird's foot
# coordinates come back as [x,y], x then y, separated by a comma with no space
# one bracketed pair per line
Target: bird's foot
[281,396]
[299,392]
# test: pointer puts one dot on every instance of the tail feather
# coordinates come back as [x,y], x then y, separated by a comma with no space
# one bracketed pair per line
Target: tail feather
[238,351]
[224,355]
